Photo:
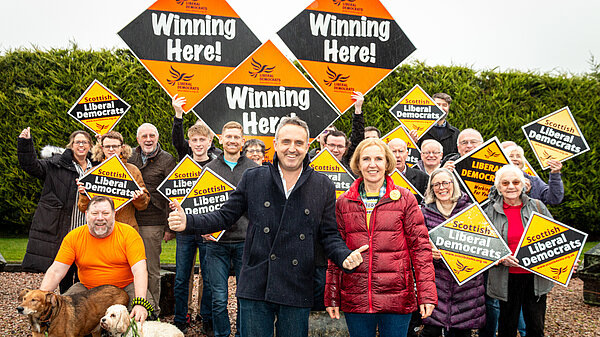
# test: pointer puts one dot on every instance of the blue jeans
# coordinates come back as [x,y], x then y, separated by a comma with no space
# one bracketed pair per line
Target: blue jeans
[521,326]
[220,257]
[492,313]
[184,262]
[365,325]
[257,319]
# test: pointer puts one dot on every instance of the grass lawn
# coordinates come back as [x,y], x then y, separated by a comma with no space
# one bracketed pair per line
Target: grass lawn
[13,250]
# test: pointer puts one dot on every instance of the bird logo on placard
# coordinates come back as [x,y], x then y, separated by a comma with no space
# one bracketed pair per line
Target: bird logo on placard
[418,128]
[546,156]
[259,68]
[558,272]
[338,2]
[334,77]
[490,153]
[178,76]
[461,267]
[101,127]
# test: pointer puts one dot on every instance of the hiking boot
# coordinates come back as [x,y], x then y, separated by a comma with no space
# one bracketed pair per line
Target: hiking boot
[207,328]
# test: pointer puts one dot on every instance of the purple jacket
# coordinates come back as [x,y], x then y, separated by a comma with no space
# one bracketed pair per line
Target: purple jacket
[458,307]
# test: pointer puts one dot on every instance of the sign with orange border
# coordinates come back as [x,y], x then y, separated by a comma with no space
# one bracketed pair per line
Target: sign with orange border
[346,46]
[401,181]
[476,170]
[528,169]
[181,180]
[189,46]
[555,136]
[417,111]
[110,179]
[327,164]
[469,244]
[550,248]
[207,195]
[99,109]
[414,154]
[259,92]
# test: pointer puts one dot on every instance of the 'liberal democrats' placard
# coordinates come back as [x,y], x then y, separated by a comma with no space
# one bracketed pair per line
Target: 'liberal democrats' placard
[181,180]
[469,243]
[414,154]
[110,179]
[555,136]
[417,111]
[550,248]
[326,163]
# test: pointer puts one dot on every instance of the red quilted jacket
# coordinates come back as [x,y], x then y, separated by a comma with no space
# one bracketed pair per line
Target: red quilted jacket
[398,244]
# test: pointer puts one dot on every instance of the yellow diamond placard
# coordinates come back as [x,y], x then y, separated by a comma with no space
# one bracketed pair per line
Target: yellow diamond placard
[209,193]
[469,243]
[99,109]
[401,181]
[555,137]
[528,169]
[110,179]
[414,154]
[417,111]
[326,163]
[550,248]
[476,170]
[181,180]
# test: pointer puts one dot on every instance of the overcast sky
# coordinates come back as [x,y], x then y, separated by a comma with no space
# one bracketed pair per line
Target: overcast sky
[546,36]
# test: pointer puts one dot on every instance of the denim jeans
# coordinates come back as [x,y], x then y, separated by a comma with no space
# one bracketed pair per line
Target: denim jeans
[492,312]
[521,326]
[365,325]
[258,317]
[184,261]
[220,257]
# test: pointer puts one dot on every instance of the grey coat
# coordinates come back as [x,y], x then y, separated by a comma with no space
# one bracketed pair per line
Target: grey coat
[497,284]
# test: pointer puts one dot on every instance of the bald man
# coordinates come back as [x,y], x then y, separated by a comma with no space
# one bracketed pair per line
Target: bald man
[417,178]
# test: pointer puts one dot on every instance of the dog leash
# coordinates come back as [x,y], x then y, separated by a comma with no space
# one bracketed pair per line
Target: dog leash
[134,327]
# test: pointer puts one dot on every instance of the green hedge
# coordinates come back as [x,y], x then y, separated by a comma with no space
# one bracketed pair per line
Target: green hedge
[37,88]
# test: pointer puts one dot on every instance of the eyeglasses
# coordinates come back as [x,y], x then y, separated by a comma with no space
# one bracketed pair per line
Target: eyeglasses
[339,147]
[505,183]
[254,151]
[470,141]
[435,153]
[443,184]
[81,142]
[111,147]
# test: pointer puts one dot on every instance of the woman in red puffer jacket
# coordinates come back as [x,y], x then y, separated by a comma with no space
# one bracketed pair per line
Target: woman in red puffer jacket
[380,292]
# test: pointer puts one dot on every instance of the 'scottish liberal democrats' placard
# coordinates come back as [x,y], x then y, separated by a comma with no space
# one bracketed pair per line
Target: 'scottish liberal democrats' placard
[550,248]
[477,169]
[110,179]
[207,195]
[414,154]
[181,180]
[469,243]
[346,46]
[98,108]
[401,181]
[417,111]
[555,136]
[326,163]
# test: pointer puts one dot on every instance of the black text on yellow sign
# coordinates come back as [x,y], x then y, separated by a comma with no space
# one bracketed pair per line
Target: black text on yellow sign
[207,195]
[110,179]
[555,137]
[468,243]
[417,111]
[550,248]
[99,109]
[180,180]
[477,169]
[326,163]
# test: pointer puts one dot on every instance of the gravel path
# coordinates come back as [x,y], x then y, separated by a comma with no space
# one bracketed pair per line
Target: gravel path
[567,315]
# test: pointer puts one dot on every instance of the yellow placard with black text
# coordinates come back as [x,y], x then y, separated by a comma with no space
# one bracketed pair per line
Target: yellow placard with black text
[550,248]
[180,180]
[414,154]
[417,111]
[327,164]
[468,243]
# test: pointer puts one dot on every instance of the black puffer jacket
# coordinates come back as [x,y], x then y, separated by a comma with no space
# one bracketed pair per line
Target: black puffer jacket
[52,218]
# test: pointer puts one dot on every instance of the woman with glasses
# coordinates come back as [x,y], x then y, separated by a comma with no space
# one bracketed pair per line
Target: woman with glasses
[255,150]
[460,308]
[509,210]
[380,293]
[111,143]
[56,212]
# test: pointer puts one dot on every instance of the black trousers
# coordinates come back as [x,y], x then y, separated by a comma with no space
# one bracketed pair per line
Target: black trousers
[436,331]
[521,295]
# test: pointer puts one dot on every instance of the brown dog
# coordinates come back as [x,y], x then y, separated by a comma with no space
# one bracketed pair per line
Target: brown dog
[68,316]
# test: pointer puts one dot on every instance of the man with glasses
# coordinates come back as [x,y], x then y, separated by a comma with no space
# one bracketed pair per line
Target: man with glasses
[432,153]
[468,140]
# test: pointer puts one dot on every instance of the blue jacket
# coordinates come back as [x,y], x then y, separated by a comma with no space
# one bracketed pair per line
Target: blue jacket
[278,262]
[551,193]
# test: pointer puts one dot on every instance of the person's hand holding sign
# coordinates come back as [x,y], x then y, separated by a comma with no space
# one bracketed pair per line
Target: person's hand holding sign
[178,103]
[177,220]
[509,261]
[555,166]
[434,251]
[137,194]
[26,133]
[354,259]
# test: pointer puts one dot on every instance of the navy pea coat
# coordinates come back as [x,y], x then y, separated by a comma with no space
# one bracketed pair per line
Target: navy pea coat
[279,262]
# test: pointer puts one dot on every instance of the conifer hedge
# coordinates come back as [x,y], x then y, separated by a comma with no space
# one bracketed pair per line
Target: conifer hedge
[37,88]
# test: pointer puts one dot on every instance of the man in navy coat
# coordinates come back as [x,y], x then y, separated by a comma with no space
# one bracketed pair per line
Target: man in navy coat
[288,206]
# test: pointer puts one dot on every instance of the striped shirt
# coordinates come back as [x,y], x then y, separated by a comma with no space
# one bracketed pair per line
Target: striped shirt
[78,217]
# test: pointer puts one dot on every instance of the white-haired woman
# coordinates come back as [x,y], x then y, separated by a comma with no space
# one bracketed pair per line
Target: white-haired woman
[509,209]
[551,193]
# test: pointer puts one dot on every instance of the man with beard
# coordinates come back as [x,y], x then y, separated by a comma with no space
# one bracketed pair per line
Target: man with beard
[105,252]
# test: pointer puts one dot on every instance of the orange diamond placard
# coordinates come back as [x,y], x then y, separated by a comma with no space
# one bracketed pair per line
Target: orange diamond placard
[99,109]
[417,111]
[346,46]
[181,180]
[189,46]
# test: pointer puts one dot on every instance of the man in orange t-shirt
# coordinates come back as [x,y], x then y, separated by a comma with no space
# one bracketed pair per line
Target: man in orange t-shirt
[105,252]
